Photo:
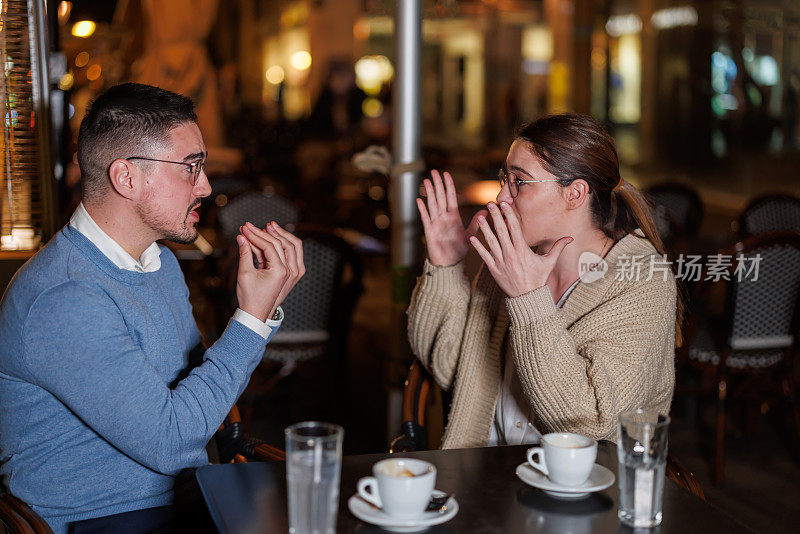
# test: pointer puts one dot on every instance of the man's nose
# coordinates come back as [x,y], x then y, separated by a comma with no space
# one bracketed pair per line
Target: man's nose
[203,186]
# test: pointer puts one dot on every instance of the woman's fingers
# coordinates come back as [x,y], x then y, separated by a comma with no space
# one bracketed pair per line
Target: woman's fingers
[491,239]
[514,228]
[438,187]
[433,206]
[485,255]
[472,229]
[500,227]
[450,192]
[558,247]
[423,214]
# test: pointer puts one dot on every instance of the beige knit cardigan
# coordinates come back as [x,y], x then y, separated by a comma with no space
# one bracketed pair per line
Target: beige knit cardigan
[609,349]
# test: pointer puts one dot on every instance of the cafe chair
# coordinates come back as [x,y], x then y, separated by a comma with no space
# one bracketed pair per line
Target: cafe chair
[770,213]
[256,207]
[16,517]
[748,350]
[234,447]
[318,313]
[678,210]
[417,393]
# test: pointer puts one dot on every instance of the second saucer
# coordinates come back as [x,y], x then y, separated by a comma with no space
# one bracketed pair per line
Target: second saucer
[599,479]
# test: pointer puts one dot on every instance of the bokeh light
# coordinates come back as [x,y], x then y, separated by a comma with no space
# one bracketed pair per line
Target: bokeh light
[301,60]
[66,81]
[372,107]
[82,59]
[275,74]
[93,72]
[83,28]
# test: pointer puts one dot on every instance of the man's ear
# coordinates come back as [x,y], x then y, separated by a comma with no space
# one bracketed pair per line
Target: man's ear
[124,178]
[576,193]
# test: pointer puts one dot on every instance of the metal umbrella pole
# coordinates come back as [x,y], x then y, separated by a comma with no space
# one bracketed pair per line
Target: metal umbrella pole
[407,150]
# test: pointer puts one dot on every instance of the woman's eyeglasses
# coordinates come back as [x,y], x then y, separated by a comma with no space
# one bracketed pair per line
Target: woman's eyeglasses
[194,168]
[513,182]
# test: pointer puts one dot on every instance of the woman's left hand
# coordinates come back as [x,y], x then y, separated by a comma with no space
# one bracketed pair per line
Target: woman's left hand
[515,267]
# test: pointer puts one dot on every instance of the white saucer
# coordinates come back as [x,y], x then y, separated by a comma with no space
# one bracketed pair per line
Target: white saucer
[368,513]
[599,479]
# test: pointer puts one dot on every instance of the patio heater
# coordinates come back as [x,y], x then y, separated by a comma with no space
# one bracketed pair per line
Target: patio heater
[26,196]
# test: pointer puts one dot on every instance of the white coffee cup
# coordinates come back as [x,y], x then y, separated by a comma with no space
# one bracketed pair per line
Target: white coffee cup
[567,459]
[401,487]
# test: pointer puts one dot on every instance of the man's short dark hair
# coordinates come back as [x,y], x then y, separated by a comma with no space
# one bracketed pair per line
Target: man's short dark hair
[128,120]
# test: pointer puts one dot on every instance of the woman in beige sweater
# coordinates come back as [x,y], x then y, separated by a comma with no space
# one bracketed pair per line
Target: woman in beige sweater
[539,342]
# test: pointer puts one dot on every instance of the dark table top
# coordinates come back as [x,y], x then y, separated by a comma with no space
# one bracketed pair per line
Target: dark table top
[249,498]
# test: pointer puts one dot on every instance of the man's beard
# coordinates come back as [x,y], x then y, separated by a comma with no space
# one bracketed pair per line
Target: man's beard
[163,227]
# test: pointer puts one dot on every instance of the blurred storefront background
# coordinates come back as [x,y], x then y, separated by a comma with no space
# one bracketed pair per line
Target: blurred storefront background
[690,81]
[288,90]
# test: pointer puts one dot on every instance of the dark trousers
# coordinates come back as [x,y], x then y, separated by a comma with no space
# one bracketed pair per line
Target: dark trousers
[190,517]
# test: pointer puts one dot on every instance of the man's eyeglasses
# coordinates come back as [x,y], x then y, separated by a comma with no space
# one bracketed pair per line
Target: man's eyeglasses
[513,182]
[194,168]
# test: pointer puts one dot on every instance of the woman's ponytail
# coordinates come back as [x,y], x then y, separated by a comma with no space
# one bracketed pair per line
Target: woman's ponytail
[632,212]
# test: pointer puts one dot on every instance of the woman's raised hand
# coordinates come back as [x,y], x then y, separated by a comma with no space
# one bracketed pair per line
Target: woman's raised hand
[448,240]
[515,267]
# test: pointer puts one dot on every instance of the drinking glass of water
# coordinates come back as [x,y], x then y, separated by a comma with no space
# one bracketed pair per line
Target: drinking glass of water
[313,467]
[642,454]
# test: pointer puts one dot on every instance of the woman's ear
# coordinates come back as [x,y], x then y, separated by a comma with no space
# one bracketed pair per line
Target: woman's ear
[123,175]
[576,193]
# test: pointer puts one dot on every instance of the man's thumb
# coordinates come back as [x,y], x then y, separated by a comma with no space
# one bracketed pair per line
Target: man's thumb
[245,254]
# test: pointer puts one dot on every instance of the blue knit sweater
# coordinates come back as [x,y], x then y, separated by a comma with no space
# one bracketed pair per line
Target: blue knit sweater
[94,418]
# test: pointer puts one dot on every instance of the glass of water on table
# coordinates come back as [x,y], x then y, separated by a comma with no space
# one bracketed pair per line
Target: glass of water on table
[642,454]
[313,468]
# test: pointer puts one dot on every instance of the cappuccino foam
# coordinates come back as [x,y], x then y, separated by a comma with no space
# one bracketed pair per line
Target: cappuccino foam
[396,469]
[565,442]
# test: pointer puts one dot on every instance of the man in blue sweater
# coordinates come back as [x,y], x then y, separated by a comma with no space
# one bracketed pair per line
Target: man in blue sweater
[100,411]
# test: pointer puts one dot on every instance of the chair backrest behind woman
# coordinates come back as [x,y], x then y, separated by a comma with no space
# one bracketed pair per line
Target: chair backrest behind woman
[681,204]
[770,213]
[763,312]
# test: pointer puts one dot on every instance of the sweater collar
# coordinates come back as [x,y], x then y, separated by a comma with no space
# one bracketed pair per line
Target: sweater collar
[93,253]
[586,295]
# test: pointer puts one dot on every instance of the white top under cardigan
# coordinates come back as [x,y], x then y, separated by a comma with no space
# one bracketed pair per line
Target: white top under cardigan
[512,413]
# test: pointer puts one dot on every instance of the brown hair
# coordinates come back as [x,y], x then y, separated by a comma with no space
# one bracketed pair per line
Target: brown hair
[571,146]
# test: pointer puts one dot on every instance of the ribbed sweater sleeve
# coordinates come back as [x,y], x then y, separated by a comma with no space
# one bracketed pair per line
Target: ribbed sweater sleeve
[436,319]
[93,365]
[616,367]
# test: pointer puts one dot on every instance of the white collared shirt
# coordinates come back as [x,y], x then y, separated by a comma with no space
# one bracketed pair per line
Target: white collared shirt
[150,261]
[513,415]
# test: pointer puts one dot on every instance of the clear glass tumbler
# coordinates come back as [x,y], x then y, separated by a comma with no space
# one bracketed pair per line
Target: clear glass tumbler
[313,468]
[642,454]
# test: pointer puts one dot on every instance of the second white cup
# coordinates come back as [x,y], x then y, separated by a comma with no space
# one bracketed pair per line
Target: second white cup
[401,487]
[567,459]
